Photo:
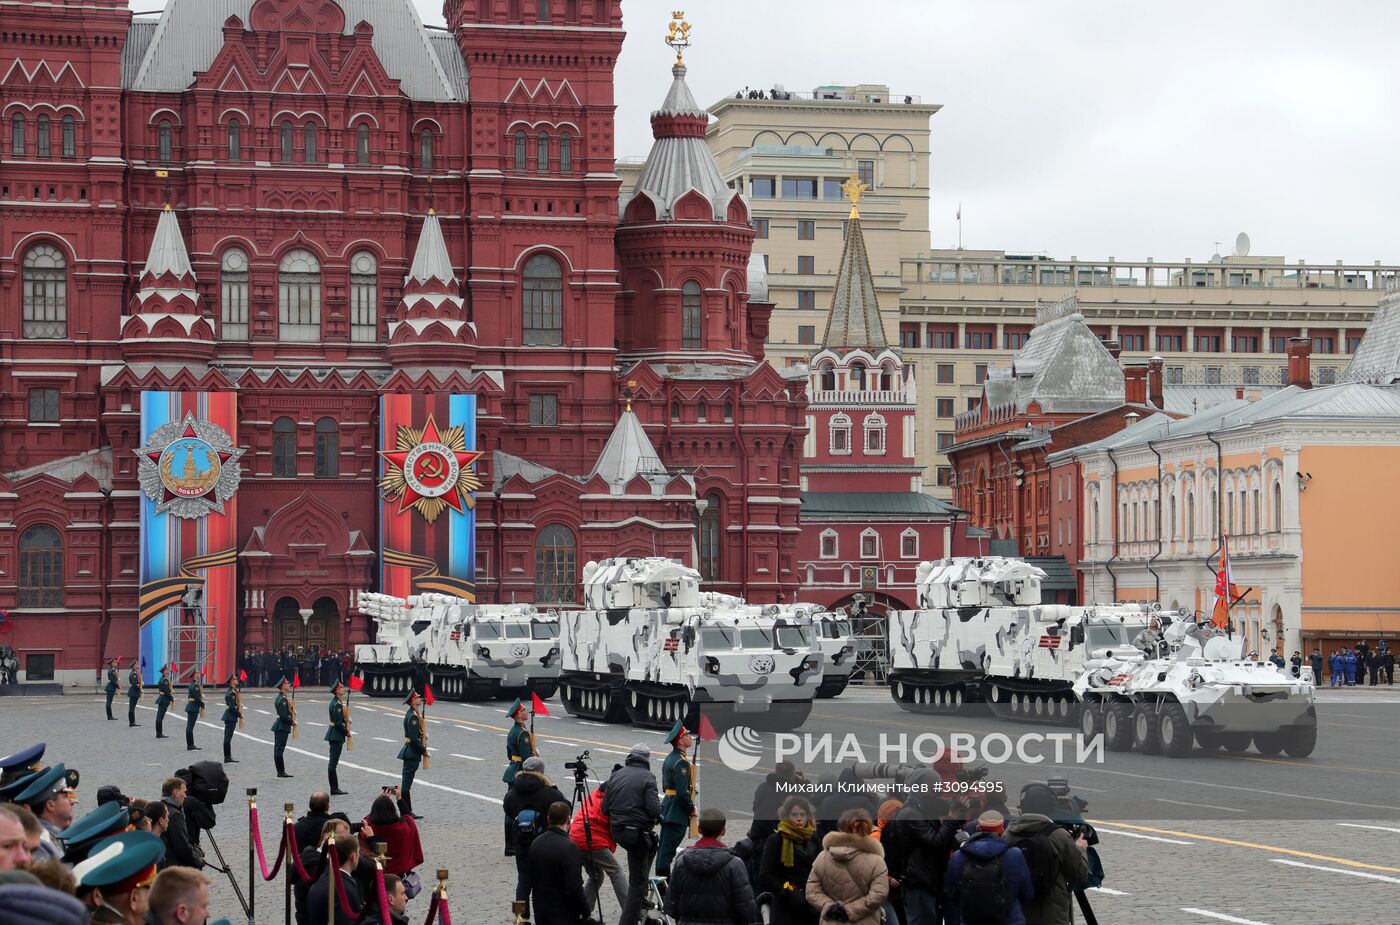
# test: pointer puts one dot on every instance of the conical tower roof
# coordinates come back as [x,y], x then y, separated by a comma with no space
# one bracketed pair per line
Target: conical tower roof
[854,319]
[628,453]
[168,253]
[430,259]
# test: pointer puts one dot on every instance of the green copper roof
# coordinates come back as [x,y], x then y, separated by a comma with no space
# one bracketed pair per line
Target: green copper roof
[854,319]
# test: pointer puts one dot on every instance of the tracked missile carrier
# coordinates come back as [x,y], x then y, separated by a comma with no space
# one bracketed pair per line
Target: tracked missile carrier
[465,651]
[1199,691]
[650,648]
[836,639]
[981,635]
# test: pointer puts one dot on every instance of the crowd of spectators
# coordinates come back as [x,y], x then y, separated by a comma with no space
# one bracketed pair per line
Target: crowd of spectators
[315,665]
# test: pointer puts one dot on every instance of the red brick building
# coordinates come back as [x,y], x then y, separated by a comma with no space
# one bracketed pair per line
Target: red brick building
[362,205]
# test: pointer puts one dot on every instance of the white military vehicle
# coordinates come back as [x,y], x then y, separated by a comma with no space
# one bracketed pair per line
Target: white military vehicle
[650,648]
[465,651]
[1201,691]
[981,635]
[836,639]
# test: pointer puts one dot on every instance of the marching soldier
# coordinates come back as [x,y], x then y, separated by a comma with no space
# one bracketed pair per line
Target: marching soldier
[111,688]
[412,752]
[678,802]
[233,715]
[336,734]
[133,693]
[163,701]
[520,744]
[194,709]
[282,728]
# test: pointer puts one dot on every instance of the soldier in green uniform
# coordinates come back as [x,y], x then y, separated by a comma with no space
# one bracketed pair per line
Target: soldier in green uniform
[233,715]
[107,880]
[282,728]
[194,709]
[133,694]
[677,802]
[520,744]
[111,688]
[163,701]
[336,734]
[412,753]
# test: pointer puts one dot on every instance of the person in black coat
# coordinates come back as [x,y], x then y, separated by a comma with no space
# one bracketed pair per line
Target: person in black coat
[310,827]
[837,802]
[708,883]
[917,843]
[787,860]
[179,852]
[319,901]
[531,790]
[554,873]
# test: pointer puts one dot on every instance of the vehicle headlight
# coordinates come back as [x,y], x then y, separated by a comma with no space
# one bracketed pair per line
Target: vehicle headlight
[483,651]
[711,665]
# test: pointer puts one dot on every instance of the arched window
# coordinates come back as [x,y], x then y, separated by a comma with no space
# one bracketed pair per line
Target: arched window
[728,412]
[1190,516]
[286,143]
[556,565]
[520,157]
[543,301]
[284,448]
[299,297]
[566,153]
[233,294]
[543,11]
[702,412]
[542,153]
[840,432]
[327,449]
[70,137]
[41,567]
[690,315]
[874,426]
[858,377]
[44,146]
[675,411]
[830,547]
[235,140]
[45,293]
[909,544]
[869,544]
[362,144]
[308,141]
[364,297]
[1278,506]
[425,150]
[1256,524]
[828,377]
[165,141]
[17,135]
[1092,534]
[1171,501]
[711,531]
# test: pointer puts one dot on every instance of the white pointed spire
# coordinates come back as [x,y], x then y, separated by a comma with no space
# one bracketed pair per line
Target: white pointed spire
[628,453]
[168,253]
[430,260]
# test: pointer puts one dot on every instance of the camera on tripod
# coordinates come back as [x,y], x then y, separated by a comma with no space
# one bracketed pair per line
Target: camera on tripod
[579,766]
[1069,810]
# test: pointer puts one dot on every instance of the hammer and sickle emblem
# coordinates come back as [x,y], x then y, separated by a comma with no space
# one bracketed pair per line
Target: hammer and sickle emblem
[430,467]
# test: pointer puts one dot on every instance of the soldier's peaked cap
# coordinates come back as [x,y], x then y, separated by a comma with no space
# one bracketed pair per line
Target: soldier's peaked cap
[515,707]
[13,788]
[102,823]
[24,758]
[676,732]
[412,692]
[122,863]
[336,684]
[44,785]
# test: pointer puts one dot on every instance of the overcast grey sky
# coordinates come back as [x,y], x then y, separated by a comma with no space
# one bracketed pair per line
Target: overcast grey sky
[1089,129]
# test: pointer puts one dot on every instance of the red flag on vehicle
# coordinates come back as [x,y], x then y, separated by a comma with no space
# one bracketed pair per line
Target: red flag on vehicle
[537,705]
[707,729]
[356,682]
[242,675]
[296,680]
[428,695]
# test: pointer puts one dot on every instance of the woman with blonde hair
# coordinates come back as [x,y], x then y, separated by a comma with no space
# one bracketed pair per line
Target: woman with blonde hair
[849,882]
[788,855]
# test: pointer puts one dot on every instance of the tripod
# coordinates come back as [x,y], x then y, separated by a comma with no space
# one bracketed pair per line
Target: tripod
[580,799]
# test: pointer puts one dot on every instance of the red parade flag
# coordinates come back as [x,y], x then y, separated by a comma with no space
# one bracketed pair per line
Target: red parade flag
[296,680]
[242,675]
[537,705]
[428,695]
[707,729]
[356,682]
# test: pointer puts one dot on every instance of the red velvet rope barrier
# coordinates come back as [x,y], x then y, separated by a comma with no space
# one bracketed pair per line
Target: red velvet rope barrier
[256,834]
[383,894]
[333,860]
[290,838]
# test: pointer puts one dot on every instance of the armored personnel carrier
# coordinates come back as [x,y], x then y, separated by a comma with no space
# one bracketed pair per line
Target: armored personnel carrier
[836,639]
[465,651]
[650,648]
[981,635]
[1201,692]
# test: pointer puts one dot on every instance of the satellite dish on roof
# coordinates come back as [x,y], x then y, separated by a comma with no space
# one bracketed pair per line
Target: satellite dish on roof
[1241,245]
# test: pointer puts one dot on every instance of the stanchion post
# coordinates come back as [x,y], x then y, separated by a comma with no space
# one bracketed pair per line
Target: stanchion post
[288,809]
[442,883]
[252,855]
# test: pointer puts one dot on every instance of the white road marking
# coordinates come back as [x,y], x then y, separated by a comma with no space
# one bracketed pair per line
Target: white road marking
[1378,828]
[1108,892]
[1169,841]
[1194,804]
[264,712]
[1337,870]
[589,722]
[378,739]
[312,722]
[468,757]
[1222,916]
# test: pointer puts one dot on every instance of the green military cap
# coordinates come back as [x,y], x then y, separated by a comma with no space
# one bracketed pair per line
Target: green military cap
[122,863]
[337,685]
[13,788]
[47,784]
[515,707]
[102,823]
[412,692]
[676,732]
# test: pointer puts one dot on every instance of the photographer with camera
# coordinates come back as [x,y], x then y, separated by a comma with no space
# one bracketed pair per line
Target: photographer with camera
[399,835]
[591,831]
[917,844]
[633,807]
[1058,861]
[179,850]
[531,794]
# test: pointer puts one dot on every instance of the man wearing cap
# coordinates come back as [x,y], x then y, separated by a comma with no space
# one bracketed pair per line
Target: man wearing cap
[108,819]
[336,733]
[282,727]
[988,847]
[194,709]
[412,752]
[133,693]
[116,878]
[233,712]
[111,688]
[21,764]
[163,700]
[678,805]
[633,808]
[47,796]
[520,744]
[1066,857]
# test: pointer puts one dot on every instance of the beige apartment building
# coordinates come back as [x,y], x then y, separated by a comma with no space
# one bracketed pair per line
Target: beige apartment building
[1219,324]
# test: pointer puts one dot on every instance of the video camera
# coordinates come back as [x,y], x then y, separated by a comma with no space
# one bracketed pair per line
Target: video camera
[579,766]
[1069,810]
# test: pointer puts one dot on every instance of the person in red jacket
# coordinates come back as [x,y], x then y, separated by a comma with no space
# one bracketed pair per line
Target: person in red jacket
[398,833]
[591,832]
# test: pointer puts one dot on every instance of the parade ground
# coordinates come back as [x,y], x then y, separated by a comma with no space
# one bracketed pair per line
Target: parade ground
[1218,837]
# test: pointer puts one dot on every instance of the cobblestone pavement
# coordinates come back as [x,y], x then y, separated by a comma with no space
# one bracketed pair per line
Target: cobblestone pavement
[1243,839]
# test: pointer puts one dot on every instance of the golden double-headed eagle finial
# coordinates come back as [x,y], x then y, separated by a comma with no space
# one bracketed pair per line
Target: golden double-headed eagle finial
[854,189]
[678,35]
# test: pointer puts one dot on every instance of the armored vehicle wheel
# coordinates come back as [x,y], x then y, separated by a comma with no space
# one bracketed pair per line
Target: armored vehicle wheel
[1269,743]
[1208,740]
[1118,727]
[1090,720]
[1235,742]
[1145,731]
[1300,741]
[1173,731]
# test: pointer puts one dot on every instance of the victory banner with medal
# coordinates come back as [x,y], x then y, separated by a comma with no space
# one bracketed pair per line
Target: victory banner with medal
[189,471]
[427,502]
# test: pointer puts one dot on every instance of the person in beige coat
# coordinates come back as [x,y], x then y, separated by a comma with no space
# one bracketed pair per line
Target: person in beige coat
[850,883]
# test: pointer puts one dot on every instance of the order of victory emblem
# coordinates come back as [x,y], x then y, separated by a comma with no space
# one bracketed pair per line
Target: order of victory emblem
[190,468]
[430,471]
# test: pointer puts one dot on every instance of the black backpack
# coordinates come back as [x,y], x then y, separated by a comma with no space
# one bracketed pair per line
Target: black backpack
[984,893]
[1042,859]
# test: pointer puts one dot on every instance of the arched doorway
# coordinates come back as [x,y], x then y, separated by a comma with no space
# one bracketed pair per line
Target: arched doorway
[293,629]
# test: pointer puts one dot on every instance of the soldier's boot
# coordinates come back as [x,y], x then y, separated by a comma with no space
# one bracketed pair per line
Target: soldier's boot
[281,767]
[228,755]
[109,710]
[189,741]
[335,784]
